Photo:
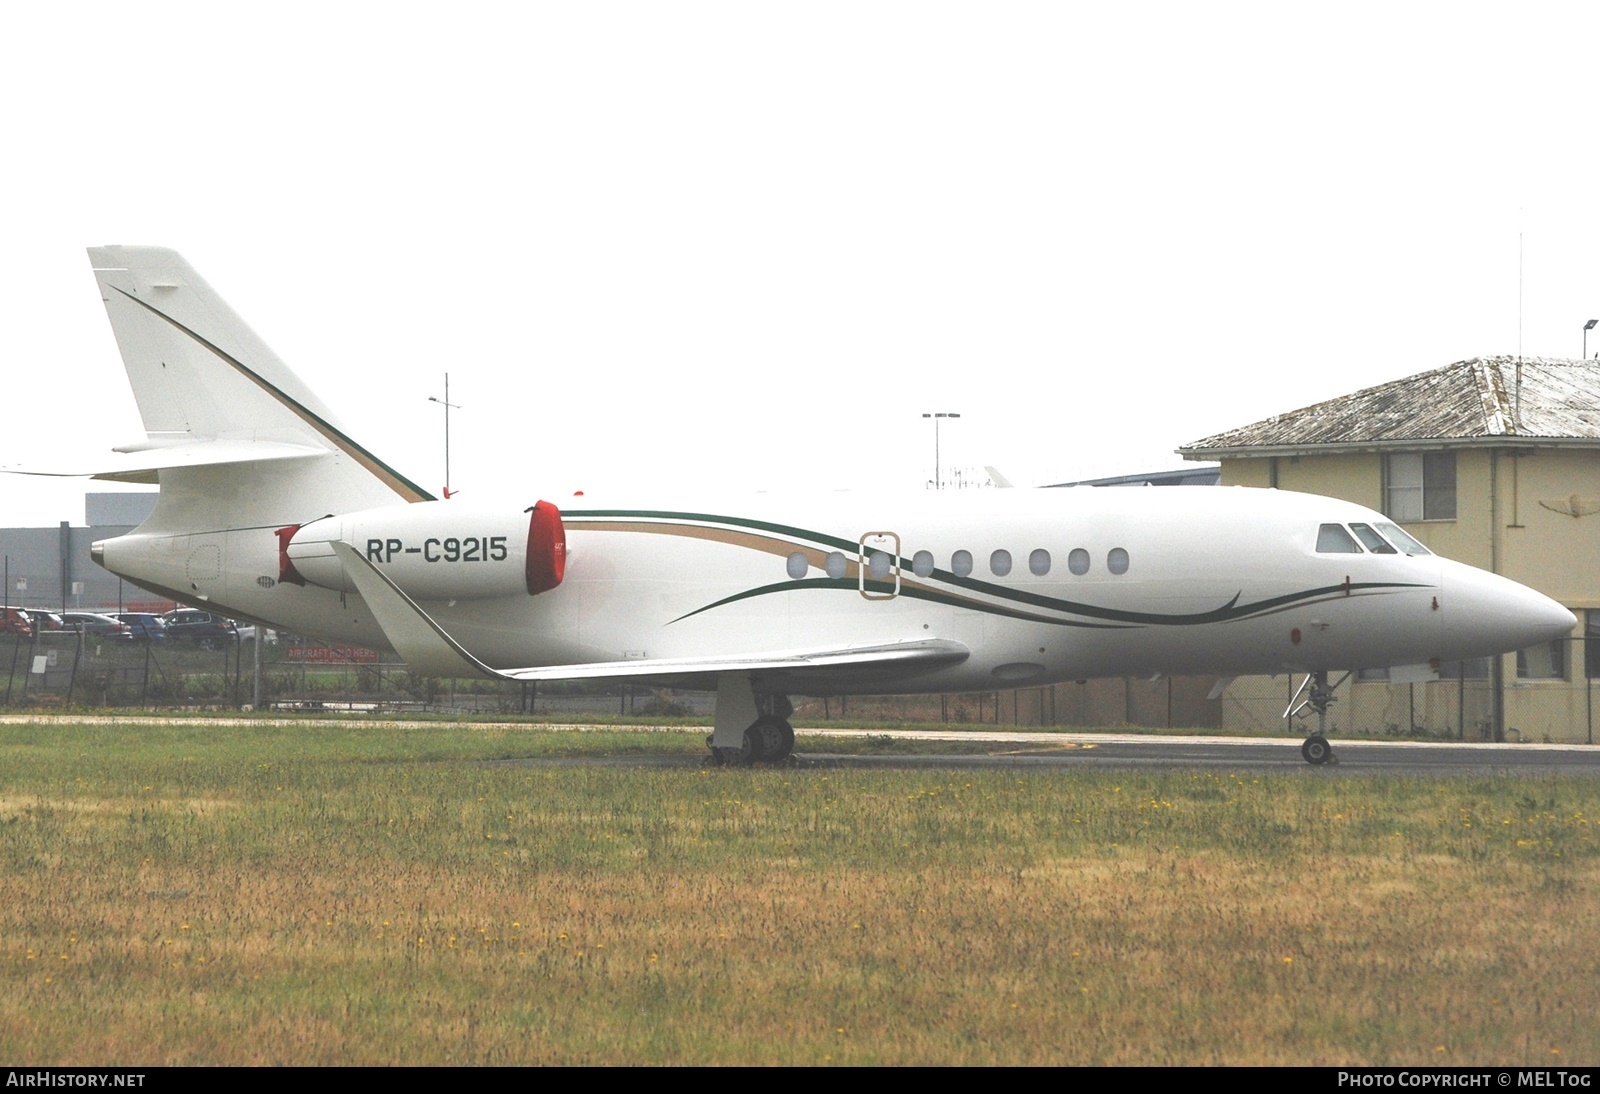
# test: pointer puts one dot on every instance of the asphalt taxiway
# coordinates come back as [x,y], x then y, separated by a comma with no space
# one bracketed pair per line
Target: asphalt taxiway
[1026,749]
[1129,750]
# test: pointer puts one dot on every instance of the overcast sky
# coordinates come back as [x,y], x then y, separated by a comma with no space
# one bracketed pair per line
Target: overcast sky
[668,244]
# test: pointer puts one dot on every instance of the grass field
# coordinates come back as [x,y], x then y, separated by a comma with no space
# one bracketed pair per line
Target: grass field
[185,894]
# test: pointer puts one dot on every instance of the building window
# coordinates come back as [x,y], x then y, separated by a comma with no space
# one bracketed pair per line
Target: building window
[1475,669]
[1591,643]
[1547,661]
[1420,486]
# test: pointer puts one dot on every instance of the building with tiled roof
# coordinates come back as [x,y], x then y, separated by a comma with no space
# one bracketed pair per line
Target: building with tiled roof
[1476,403]
[1494,462]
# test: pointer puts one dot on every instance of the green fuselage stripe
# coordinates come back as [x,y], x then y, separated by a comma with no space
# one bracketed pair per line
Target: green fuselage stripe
[1017,599]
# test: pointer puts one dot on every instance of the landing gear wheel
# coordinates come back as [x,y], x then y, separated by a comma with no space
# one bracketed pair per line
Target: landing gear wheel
[768,740]
[1316,749]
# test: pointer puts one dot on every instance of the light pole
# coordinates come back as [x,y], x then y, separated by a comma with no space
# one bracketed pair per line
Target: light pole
[448,406]
[937,482]
[1587,327]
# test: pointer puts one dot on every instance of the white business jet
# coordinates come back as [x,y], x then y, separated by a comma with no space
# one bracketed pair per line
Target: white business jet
[269,510]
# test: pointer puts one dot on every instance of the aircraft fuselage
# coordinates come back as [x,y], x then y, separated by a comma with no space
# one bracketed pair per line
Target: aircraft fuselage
[1039,585]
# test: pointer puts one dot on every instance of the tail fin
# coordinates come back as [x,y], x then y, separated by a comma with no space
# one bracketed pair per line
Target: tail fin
[210,391]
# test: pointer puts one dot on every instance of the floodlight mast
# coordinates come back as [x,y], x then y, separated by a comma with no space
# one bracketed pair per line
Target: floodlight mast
[937,483]
[448,406]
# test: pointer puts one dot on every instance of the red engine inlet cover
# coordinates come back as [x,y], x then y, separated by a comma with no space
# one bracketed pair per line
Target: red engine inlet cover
[547,548]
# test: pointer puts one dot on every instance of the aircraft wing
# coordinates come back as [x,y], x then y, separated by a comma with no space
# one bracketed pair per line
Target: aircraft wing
[428,648]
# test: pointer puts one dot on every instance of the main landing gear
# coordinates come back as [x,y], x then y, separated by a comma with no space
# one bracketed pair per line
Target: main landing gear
[1318,697]
[768,740]
[766,735]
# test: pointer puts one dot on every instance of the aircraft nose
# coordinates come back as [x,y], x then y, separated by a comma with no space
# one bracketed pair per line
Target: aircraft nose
[1489,614]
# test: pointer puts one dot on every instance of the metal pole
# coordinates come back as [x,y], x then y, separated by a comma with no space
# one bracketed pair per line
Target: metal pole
[77,654]
[448,406]
[16,644]
[938,478]
[255,691]
[1588,680]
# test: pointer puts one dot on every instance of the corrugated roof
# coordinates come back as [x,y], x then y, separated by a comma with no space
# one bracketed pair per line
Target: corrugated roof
[1471,401]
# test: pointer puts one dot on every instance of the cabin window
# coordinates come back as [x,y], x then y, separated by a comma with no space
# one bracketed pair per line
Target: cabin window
[1000,563]
[1078,561]
[1039,562]
[835,565]
[797,565]
[1371,540]
[961,563]
[1117,560]
[1420,486]
[878,563]
[922,563]
[1546,661]
[1332,539]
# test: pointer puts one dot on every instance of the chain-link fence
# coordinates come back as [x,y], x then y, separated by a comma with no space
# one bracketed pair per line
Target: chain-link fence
[62,668]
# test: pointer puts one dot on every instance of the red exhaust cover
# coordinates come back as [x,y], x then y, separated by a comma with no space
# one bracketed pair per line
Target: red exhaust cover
[286,570]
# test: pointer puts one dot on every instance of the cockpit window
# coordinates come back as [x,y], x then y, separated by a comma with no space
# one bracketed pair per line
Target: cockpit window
[1402,539]
[1332,539]
[1371,540]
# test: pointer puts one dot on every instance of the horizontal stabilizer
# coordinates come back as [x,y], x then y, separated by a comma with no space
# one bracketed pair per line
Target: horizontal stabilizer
[142,464]
[428,649]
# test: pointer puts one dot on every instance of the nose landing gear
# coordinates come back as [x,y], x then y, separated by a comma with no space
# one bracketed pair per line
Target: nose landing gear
[1315,695]
[1316,749]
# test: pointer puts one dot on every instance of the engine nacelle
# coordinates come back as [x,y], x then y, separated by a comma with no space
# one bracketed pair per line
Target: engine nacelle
[434,550]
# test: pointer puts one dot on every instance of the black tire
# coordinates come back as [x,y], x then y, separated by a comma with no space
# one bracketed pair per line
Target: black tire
[743,756]
[1316,749]
[774,739]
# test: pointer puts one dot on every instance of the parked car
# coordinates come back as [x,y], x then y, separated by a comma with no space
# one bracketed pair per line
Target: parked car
[45,621]
[146,626]
[208,630]
[15,621]
[97,625]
